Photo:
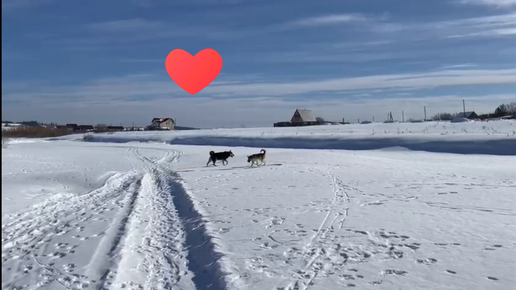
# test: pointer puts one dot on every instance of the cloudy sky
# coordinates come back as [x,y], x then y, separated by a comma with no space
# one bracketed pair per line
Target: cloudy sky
[103,61]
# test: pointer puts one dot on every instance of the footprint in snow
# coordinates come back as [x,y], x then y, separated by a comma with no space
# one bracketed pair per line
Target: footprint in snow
[395,272]
[361,232]
[427,261]
[413,246]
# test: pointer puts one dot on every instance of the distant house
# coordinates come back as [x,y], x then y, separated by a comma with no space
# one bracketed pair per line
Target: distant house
[163,124]
[303,116]
[115,128]
[468,115]
[300,118]
[75,127]
[84,128]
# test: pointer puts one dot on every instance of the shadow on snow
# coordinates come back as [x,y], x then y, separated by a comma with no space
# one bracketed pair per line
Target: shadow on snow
[501,147]
[202,255]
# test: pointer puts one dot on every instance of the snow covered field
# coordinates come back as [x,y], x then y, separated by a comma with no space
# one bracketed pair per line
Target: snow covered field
[494,138]
[132,215]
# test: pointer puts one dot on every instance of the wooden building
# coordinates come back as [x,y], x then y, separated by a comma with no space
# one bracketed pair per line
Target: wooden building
[300,118]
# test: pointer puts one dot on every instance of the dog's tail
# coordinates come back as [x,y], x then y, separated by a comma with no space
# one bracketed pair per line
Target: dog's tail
[212,152]
[263,151]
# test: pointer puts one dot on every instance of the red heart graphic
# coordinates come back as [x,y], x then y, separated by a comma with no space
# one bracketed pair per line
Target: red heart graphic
[193,73]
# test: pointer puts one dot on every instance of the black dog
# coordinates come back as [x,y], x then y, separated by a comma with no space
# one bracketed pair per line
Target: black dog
[220,156]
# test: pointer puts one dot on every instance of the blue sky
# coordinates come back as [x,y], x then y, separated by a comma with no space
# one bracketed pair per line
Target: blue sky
[104,61]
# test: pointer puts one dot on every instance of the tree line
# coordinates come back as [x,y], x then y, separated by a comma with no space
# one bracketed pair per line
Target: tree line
[500,111]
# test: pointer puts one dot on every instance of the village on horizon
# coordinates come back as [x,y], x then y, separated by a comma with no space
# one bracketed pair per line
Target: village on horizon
[301,117]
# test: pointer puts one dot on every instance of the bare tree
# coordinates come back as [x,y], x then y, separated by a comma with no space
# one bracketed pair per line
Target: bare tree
[502,110]
[101,127]
[512,107]
[505,109]
[443,117]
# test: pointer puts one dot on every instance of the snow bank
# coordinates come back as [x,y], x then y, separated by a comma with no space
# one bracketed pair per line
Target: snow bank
[491,138]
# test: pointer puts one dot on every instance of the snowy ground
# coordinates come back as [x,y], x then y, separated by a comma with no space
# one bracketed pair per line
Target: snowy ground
[493,138]
[94,215]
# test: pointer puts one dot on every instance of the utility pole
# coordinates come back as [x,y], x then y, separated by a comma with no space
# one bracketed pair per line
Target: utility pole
[403,116]
[389,116]
[425,113]
[464,107]
[373,119]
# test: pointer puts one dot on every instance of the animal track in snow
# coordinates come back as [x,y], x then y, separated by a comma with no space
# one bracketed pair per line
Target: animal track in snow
[447,244]
[426,261]
[275,221]
[322,255]
[372,203]
[394,272]
[413,246]
[361,232]
[351,277]
[392,235]
[492,247]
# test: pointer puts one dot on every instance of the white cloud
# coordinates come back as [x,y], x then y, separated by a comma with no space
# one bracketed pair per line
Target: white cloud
[380,24]
[165,3]
[148,85]
[493,26]
[488,33]
[138,98]
[417,80]
[142,60]
[490,3]
[127,25]
[11,5]
[373,28]
[455,66]
[501,25]
[485,22]
[332,20]
[137,31]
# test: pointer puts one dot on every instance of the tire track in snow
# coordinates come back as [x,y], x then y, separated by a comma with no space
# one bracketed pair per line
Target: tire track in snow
[134,226]
[316,257]
[168,234]
[152,255]
[203,257]
[40,238]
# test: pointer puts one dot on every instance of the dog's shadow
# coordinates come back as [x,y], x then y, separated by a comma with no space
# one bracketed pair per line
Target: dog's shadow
[238,167]
[241,167]
[250,167]
[222,167]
